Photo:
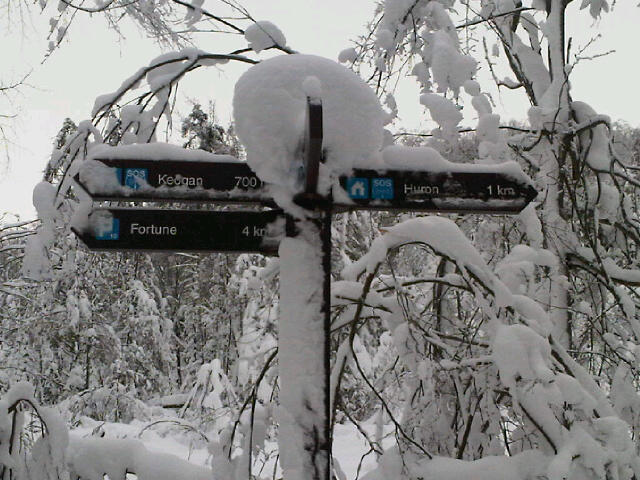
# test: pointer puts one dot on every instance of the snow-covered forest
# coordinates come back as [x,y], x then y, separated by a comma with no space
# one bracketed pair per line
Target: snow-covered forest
[462,345]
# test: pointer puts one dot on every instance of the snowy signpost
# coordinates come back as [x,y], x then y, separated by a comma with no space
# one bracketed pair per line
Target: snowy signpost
[302,237]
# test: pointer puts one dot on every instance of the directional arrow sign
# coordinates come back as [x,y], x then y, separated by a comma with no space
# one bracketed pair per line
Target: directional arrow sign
[454,192]
[201,181]
[183,230]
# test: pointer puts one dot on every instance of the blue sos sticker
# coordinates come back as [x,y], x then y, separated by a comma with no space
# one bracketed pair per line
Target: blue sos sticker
[358,188]
[382,188]
[133,177]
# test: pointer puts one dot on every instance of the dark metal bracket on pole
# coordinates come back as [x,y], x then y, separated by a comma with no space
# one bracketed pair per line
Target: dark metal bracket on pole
[309,198]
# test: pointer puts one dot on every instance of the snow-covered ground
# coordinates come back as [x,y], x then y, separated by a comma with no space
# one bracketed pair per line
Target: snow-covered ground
[165,437]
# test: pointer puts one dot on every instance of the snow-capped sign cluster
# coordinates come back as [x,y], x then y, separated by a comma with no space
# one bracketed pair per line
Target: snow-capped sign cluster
[270,107]
[264,34]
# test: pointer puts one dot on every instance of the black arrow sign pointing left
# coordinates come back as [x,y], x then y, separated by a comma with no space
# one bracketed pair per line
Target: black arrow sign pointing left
[124,229]
[179,180]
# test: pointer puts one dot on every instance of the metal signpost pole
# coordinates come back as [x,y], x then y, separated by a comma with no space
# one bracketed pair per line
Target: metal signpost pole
[317,230]
[322,205]
[325,236]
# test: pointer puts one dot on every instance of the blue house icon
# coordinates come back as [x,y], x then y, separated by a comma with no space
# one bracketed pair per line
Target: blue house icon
[358,188]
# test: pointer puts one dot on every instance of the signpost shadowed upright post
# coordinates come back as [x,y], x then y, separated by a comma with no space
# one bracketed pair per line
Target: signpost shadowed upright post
[320,205]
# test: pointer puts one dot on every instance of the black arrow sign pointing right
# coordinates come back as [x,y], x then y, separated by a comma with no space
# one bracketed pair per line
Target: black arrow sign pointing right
[453,192]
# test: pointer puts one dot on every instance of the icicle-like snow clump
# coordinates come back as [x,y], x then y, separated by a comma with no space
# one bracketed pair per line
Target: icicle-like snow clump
[269,110]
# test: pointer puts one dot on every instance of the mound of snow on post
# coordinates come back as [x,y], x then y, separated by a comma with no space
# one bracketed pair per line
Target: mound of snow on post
[269,107]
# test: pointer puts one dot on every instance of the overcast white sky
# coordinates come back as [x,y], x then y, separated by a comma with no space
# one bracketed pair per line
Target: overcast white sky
[94,61]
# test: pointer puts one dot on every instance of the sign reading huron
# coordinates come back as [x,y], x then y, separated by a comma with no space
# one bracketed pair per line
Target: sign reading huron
[183,230]
[456,192]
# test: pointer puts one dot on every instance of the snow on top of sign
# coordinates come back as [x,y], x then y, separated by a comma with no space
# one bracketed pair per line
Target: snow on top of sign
[264,34]
[312,87]
[98,177]
[270,109]
[400,157]
[156,151]
[427,159]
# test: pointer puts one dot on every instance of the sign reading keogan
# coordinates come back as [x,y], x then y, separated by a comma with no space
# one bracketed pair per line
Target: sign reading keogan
[173,180]
[183,230]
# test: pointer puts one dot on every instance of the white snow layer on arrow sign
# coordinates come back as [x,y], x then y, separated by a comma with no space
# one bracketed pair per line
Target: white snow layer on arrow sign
[269,107]
[157,151]
[98,177]
[427,159]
